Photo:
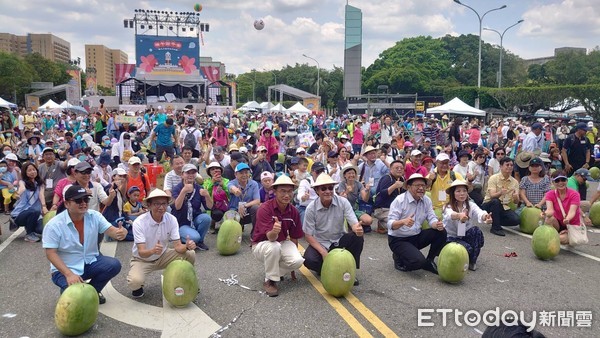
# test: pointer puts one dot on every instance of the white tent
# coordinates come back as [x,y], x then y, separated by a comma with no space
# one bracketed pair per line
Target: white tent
[278,108]
[4,103]
[457,107]
[298,108]
[266,105]
[251,105]
[65,104]
[576,110]
[49,105]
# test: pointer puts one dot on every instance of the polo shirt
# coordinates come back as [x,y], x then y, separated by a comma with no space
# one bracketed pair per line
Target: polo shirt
[60,234]
[291,225]
[147,231]
[171,180]
[438,188]
[249,193]
[327,225]
[54,173]
[498,182]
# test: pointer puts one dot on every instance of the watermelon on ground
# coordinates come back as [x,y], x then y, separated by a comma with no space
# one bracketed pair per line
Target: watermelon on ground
[338,272]
[545,242]
[595,173]
[229,238]
[512,205]
[453,263]
[530,218]
[76,310]
[595,214]
[180,283]
[48,216]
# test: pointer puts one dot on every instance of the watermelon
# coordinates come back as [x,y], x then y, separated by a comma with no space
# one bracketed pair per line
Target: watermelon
[76,310]
[595,214]
[595,173]
[48,216]
[229,239]
[453,263]
[512,205]
[180,283]
[545,242]
[438,213]
[530,218]
[338,272]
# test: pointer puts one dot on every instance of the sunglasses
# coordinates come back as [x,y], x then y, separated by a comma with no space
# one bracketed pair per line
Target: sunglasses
[330,188]
[85,172]
[81,200]
[499,154]
[263,151]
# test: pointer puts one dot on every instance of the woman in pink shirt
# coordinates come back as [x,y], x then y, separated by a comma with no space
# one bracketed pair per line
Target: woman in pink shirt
[270,142]
[221,134]
[569,213]
[474,135]
[358,137]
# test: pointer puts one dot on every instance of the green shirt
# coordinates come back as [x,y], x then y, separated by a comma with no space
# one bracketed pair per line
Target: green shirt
[573,184]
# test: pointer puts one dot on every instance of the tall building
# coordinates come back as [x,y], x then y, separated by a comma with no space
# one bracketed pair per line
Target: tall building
[49,46]
[352,51]
[103,60]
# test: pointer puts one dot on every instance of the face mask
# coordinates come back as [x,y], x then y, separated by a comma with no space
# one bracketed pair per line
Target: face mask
[6,152]
[106,143]
[3,169]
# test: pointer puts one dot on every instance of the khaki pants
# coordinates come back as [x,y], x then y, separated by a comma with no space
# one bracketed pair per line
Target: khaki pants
[279,258]
[381,215]
[139,269]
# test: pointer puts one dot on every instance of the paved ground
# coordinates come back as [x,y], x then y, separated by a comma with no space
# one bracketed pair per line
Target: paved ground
[385,304]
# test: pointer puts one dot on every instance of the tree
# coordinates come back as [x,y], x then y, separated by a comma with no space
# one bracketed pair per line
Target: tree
[47,70]
[15,77]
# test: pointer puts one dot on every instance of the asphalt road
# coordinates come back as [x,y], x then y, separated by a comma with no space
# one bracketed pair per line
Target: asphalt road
[385,303]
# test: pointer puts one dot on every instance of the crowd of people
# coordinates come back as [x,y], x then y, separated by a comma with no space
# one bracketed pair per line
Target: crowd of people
[422,181]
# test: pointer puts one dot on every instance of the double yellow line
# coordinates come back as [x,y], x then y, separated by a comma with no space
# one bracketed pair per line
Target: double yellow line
[350,319]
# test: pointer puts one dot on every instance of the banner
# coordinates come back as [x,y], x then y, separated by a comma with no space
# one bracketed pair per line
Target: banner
[123,71]
[211,73]
[91,84]
[306,139]
[129,119]
[169,56]
[75,82]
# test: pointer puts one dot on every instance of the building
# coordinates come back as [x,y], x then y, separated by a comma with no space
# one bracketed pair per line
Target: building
[49,46]
[560,50]
[103,59]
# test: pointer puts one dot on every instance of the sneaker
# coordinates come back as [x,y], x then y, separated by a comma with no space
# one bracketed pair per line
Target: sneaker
[271,288]
[13,226]
[430,266]
[101,298]
[32,238]
[201,246]
[498,232]
[472,266]
[38,234]
[137,293]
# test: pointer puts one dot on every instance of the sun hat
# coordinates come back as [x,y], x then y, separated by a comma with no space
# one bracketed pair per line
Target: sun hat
[283,180]
[118,171]
[323,179]
[415,177]
[134,160]
[156,193]
[349,167]
[368,149]
[523,158]
[456,183]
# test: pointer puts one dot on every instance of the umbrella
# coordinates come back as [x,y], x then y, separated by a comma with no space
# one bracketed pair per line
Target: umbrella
[78,110]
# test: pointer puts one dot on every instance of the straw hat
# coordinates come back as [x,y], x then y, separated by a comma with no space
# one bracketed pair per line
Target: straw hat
[323,179]
[415,177]
[368,149]
[456,183]
[283,180]
[155,194]
[349,167]
[522,159]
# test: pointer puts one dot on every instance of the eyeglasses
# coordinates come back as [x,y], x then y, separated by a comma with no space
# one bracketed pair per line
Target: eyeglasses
[86,172]
[160,205]
[263,151]
[419,186]
[329,187]
[499,154]
[81,200]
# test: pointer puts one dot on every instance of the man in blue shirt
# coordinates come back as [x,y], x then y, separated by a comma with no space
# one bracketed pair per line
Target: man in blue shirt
[71,243]
[245,196]
[166,139]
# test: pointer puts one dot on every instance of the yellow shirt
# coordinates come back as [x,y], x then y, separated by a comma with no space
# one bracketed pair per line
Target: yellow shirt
[496,183]
[438,189]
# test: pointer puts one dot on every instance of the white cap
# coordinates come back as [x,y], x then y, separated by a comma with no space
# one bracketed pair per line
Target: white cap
[442,157]
[11,157]
[73,162]
[243,150]
[118,171]
[415,152]
[590,124]
[134,160]
[300,150]
[266,174]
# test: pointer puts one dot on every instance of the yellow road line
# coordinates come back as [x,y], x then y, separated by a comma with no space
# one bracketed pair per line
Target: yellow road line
[336,305]
[370,316]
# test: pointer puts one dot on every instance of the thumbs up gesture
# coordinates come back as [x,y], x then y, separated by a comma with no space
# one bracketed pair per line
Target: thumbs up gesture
[189,244]
[121,232]
[488,218]
[276,225]
[410,221]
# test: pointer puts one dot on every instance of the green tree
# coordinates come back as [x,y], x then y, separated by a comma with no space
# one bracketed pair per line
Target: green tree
[15,77]
[47,70]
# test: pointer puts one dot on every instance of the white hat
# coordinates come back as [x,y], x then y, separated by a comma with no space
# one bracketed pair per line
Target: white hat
[323,179]
[72,162]
[300,150]
[415,177]
[415,152]
[134,160]
[118,171]
[442,157]
[156,193]
[456,183]
[590,124]
[243,150]
[97,150]
[188,167]
[261,148]
[283,180]
[368,149]
[11,157]
[266,174]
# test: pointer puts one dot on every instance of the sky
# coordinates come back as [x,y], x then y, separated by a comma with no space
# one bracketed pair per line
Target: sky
[312,27]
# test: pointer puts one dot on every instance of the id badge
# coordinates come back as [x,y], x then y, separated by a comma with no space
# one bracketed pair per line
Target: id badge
[442,196]
[49,183]
[462,229]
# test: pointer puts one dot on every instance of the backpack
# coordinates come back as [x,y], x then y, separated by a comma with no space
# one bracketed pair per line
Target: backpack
[190,139]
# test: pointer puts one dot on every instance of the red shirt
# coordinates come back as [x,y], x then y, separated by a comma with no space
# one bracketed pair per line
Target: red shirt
[290,222]
[410,169]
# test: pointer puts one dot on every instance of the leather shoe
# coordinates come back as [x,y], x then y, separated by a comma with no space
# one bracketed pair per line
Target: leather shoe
[271,288]
[498,232]
[430,266]
[397,264]
[472,266]
[101,298]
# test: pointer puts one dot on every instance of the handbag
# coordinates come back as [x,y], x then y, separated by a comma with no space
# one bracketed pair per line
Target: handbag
[577,233]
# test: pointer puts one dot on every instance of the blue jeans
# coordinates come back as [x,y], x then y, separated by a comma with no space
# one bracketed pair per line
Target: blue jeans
[198,231]
[100,273]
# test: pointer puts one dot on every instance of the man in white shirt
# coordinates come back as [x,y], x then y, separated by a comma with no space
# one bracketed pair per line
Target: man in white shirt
[534,141]
[173,177]
[191,122]
[306,193]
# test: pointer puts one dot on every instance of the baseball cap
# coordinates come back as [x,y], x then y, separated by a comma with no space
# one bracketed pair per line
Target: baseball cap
[332,154]
[318,166]
[536,161]
[261,148]
[83,166]
[11,157]
[427,139]
[134,160]
[442,157]
[537,125]
[237,156]
[415,152]
[189,167]
[132,190]
[118,171]
[582,125]
[74,192]
[584,173]
[47,149]
[300,150]
[241,166]
[294,160]
[266,174]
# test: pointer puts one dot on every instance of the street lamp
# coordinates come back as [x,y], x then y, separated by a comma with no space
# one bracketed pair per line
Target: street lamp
[502,48]
[318,78]
[480,17]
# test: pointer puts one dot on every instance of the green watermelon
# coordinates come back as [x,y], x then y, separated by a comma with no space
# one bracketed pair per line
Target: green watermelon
[545,242]
[453,263]
[76,310]
[595,172]
[180,283]
[48,216]
[338,272]
[229,239]
[512,205]
[530,218]
[438,213]
[595,214]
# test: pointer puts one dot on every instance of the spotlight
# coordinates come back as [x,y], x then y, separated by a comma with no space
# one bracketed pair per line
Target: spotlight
[142,26]
[161,27]
[183,29]
[125,23]
[149,26]
[170,28]
[207,27]
[191,29]
[135,10]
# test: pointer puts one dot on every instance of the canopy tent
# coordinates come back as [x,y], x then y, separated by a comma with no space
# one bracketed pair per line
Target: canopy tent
[278,108]
[65,104]
[4,103]
[298,108]
[576,110]
[266,105]
[49,105]
[251,105]
[457,107]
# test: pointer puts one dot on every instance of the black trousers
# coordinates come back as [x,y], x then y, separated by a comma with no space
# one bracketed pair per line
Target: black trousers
[30,220]
[476,196]
[500,217]
[408,249]
[314,261]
